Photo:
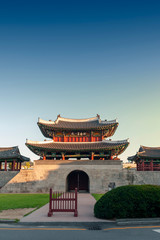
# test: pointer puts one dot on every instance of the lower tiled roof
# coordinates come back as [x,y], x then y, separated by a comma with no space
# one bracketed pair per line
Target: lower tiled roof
[146,152]
[72,146]
[12,153]
[151,152]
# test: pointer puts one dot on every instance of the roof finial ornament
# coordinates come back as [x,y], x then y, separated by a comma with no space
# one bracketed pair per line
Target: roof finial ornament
[98,116]
[58,116]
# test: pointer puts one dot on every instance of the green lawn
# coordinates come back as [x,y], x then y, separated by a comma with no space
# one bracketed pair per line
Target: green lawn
[97,196]
[13,201]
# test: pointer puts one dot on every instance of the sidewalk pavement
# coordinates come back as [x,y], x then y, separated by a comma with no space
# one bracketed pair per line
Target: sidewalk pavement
[85,213]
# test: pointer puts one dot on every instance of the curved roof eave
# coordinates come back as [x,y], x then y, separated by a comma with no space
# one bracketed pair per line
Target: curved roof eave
[86,120]
[119,146]
[97,142]
[12,153]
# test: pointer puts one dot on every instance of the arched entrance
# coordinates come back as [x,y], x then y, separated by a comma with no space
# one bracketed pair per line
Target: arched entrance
[78,179]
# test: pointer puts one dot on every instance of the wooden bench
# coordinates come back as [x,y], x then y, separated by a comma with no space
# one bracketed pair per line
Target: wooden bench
[63,202]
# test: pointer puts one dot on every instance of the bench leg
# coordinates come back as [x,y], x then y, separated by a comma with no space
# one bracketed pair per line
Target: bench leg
[50,214]
[76,213]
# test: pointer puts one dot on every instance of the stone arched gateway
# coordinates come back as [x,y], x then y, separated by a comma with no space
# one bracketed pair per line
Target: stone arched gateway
[78,179]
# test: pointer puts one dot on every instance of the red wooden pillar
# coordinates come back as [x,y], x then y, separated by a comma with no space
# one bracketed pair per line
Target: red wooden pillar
[151,165]
[137,166]
[17,166]
[63,156]
[92,156]
[5,165]
[13,166]
[143,165]
[91,136]
[101,137]
[0,166]
[44,157]
[20,165]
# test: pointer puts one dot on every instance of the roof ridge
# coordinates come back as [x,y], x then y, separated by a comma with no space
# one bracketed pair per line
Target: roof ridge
[68,120]
[85,120]
[77,120]
[8,148]
[154,148]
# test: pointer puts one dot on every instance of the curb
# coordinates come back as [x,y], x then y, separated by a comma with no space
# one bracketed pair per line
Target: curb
[87,225]
[7,221]
[119,222]
[137,221]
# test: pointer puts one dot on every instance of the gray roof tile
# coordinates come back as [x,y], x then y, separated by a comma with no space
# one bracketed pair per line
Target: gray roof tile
[86,146]
[11,153]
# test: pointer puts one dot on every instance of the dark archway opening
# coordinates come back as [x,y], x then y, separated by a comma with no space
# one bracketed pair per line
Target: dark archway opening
[78,179]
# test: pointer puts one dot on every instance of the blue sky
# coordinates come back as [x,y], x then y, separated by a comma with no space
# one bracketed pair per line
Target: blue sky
[80,58]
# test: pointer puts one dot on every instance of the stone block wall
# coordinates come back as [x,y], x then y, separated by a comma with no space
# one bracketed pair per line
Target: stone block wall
[53,174]
[6,176]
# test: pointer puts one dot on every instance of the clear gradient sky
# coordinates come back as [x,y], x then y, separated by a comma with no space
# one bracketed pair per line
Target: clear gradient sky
[79,58]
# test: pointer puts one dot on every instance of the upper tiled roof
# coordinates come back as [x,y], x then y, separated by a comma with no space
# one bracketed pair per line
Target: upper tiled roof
[79,124]
[12,153]
[83,146]
[61,124]
[146,152]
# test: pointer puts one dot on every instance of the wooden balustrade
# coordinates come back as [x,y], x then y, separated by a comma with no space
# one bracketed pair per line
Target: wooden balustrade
[63,202]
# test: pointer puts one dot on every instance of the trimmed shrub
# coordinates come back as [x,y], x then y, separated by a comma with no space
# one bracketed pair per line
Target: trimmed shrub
[133,201]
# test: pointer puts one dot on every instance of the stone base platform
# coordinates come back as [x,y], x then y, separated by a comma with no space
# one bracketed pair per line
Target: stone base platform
[54,174]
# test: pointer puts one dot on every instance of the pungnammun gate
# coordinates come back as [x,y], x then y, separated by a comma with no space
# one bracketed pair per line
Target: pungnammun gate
[78,154]
[85,138]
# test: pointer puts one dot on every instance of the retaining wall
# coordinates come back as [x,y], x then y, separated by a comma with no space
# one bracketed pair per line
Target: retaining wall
[6,176]
[53,174]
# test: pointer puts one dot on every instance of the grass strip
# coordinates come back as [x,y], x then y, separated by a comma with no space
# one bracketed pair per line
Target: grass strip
[97,196]
[14,201]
